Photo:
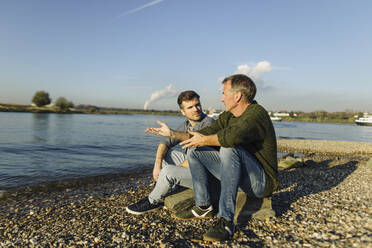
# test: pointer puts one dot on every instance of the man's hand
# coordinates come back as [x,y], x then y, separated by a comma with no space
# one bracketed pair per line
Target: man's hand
[196,140]
[156,171]
[164,130]
[184,164]
[160,154]
[199,139]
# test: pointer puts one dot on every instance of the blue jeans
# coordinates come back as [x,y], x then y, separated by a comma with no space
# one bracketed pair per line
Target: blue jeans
[171,175]
[234,167]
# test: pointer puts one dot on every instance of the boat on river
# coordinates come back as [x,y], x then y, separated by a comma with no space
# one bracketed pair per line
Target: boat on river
[275,118]
[364,121]
[214,115]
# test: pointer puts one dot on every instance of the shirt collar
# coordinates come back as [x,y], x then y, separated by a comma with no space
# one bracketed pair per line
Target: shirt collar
[188,124]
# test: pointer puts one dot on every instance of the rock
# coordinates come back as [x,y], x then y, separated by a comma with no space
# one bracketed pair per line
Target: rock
[290,162]
[184,198]
[369,162]
[247,208]
[33,241]
[180,201]
[2,194]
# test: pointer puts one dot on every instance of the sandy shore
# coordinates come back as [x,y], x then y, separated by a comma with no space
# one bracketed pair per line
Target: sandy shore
[324,203]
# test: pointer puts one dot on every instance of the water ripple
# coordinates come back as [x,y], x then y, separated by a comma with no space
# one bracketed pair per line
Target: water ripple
[37,148]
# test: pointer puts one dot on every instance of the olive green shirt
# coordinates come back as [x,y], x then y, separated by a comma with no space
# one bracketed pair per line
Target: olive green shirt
[254,131]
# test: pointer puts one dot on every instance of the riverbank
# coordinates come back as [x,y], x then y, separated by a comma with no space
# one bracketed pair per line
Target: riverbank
[348,120]
[325,202]
[86,110]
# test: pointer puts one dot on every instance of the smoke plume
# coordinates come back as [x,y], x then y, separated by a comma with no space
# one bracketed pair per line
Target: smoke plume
[169,91]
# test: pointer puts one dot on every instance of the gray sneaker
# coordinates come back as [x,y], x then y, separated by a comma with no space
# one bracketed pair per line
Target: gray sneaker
[195,213]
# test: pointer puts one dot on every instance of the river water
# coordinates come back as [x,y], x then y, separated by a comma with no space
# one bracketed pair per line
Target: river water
[38,148]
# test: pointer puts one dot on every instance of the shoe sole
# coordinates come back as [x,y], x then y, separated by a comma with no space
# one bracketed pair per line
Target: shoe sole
[214,240]
[140,213]
[192,218]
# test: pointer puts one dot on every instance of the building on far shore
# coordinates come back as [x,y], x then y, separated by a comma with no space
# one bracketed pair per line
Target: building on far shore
[365,115]
[281,114]
[51,105]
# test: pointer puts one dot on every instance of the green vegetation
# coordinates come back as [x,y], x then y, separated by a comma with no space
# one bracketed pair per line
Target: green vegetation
[89,109]
[324,116]
[41,98]
[63,104]
[82,109]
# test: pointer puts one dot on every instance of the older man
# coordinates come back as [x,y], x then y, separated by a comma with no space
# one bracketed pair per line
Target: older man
[247,158]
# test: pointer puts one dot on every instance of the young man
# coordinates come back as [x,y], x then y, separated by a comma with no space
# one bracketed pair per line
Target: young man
[247,158]
[171,167]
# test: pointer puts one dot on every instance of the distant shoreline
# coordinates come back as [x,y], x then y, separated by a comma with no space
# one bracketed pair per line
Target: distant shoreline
[89,109]
[18,108]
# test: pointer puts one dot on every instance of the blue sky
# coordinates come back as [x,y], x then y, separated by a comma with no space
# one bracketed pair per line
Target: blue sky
[303,55]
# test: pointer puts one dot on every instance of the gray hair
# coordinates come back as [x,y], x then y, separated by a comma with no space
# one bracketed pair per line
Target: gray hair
[243,84]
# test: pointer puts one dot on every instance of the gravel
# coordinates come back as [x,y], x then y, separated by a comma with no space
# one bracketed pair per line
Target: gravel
[324,203]
[325,147]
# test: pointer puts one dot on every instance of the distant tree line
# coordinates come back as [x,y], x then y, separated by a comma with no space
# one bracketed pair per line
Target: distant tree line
[322,114]
[63,104]
[41,98]
[95,109]
[347,116]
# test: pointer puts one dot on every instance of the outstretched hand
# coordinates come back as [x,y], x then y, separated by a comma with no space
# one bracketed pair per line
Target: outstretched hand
[164,130]
[196,140]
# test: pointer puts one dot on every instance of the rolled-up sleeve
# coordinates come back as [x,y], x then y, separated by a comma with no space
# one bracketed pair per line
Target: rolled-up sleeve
[214,128]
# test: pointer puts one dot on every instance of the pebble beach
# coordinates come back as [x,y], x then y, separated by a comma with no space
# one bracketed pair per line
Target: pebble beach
[325,202]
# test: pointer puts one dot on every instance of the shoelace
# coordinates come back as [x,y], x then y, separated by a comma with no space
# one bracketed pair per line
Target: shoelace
[223,225]
[143,201]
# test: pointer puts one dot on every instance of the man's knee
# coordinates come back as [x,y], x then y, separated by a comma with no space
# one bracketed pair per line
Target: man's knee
[229,151]
[164,171]
[230,157]
[192,153]
[170,172]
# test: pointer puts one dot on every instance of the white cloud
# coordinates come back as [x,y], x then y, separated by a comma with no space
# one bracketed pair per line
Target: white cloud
[169,91]
[256,71]
[152,3]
